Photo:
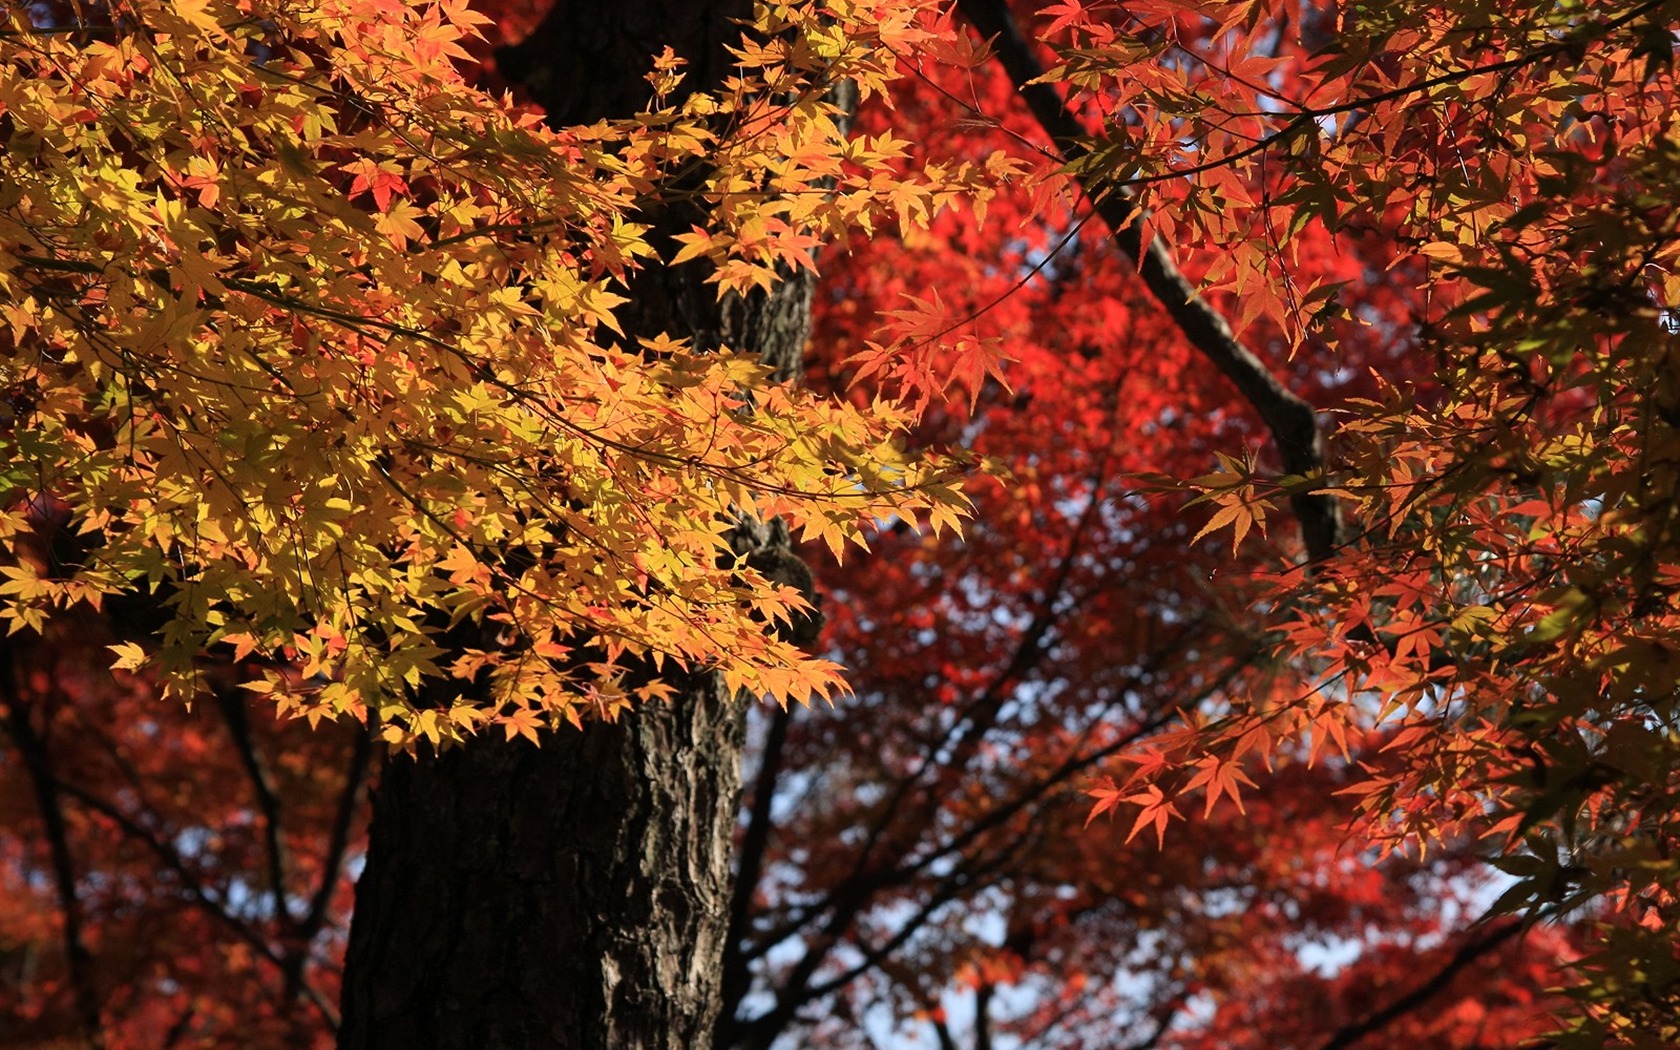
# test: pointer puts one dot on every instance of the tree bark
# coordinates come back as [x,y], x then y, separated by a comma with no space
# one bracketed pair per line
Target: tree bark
[576,895]
[568,895]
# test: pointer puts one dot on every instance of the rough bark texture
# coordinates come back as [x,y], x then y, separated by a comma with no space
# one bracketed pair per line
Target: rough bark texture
[563,896]
[575,895]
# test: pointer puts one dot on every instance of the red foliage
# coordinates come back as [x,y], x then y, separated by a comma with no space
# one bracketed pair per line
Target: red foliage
[916,859]
[206,851]
[928,868]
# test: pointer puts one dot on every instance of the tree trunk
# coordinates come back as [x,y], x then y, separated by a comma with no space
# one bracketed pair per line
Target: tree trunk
[568,895]
[575,895]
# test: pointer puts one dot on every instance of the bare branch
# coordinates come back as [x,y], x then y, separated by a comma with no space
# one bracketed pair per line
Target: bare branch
[338,843]
[238,721]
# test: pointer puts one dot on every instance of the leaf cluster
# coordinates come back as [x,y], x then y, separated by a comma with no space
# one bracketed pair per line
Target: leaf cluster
[319,347]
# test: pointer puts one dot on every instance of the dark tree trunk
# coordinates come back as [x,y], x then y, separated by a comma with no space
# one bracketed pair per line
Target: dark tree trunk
[575,895]
[564,896]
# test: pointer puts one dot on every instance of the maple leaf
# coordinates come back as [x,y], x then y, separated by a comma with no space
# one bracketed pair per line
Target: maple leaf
[1156,812]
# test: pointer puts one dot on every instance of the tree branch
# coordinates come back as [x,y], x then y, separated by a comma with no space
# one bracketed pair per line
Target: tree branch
[983,1015]
[32,746]
[195,889]
[754,842]
[1290,419]
[238,722]
[1467,953]
[970,869]
[962,737]
[338,843]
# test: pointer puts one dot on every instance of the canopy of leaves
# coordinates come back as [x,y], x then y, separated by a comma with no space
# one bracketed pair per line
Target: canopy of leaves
[315,344]
[1501,608]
